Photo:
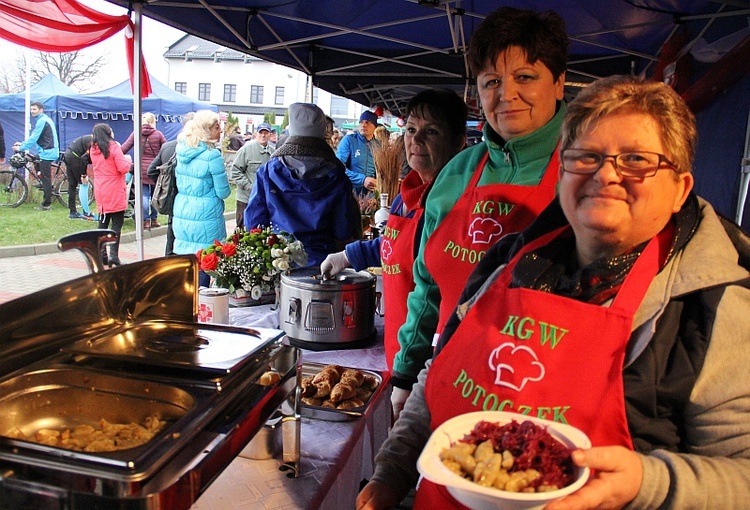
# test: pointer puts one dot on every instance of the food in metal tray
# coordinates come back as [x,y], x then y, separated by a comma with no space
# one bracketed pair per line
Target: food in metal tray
[336,387]
[108,437]
[513,457]
[269,378]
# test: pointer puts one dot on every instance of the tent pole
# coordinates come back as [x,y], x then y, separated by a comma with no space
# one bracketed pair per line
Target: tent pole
[27,102]
[137,148]
[744,175]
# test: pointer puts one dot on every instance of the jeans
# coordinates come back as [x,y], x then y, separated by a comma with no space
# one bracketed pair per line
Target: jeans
[169,248]
[239,214]
[76,169]
[204,279]
[46,168]
[116,219]
[149,213]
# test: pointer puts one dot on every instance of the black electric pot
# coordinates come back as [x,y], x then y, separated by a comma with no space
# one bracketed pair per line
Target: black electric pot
[322,314]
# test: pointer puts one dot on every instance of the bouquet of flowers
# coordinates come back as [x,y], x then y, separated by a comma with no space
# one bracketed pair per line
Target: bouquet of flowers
[251,260]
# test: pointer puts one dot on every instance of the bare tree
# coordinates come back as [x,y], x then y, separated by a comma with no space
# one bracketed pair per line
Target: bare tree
[73,68]
[13,76]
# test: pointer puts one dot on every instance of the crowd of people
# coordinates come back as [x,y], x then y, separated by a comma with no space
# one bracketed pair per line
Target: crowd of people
[194,221]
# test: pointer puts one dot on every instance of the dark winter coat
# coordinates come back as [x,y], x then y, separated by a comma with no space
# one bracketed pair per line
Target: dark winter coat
[151,141]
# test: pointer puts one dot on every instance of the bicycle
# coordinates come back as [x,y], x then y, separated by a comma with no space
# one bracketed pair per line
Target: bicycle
[14,188]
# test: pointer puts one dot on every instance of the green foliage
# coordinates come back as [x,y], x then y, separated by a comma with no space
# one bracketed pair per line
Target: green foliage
[285,122]
[229,126]
[270,118]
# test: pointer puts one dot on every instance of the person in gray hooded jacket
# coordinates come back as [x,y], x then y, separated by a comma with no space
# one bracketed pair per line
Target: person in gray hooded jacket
[304,189]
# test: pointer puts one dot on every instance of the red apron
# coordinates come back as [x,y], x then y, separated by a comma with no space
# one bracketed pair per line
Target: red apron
[397,256]
[478,220]
[538,354]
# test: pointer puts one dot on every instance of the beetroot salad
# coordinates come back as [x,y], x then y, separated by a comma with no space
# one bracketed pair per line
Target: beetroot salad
[532,447]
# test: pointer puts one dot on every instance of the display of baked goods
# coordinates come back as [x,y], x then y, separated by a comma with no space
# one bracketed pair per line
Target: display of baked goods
[337,387]
[515,457]
[107,437]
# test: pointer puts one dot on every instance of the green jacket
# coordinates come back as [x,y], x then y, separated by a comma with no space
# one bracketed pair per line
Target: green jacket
[245,165]
[521,161]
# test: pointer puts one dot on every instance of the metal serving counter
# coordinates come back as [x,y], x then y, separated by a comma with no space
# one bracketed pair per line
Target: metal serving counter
[335,456]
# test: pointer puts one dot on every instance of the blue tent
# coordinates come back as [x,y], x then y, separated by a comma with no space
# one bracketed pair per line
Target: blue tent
[168,105]
[76,114]
[47,91]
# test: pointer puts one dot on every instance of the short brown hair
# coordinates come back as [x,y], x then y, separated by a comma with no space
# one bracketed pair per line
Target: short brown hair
[630,94]
[541,35]
[443,105]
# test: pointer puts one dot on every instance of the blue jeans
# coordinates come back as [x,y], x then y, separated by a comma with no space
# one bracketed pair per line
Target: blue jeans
[204,279]
[146,203]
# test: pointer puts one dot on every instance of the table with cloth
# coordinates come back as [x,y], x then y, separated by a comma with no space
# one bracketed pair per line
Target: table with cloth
[335,456]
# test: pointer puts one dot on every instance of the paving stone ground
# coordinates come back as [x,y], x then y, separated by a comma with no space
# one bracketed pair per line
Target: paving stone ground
[27,269]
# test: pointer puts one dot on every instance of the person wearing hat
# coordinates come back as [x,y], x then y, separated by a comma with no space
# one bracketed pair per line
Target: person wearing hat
[355,151]
[304,190]
[246,163]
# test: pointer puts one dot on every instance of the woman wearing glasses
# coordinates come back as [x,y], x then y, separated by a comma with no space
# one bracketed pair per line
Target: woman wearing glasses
[632,297]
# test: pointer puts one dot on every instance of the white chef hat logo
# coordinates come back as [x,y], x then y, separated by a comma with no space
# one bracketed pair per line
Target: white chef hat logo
[485,230]
[513,363]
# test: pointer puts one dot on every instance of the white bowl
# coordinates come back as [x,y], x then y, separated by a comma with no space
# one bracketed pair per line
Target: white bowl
[474,495]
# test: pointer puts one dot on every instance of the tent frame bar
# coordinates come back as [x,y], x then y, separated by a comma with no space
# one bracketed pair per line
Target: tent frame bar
[744,176]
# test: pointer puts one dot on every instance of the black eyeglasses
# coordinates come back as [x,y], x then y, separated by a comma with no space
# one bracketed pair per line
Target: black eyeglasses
[636,164]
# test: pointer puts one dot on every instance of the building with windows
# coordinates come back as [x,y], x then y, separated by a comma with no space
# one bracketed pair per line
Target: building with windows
[246,86]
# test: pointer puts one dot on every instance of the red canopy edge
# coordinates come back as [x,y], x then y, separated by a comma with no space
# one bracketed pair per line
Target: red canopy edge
[63,26]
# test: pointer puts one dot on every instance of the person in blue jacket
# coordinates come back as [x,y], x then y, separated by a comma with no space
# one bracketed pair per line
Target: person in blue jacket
[202,186]
[44,138]
[356,150]
[303,189]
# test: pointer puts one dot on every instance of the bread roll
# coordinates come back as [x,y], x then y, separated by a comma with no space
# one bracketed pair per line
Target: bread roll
[364,394]
[330,373]
[342,391]
[350,403]
[307,388]
[370,382]
[355,375]
[323,389]
[269,378]
[312,401]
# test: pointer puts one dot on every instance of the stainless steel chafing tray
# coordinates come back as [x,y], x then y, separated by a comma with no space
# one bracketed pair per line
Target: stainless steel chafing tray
[216,350]
[120,345]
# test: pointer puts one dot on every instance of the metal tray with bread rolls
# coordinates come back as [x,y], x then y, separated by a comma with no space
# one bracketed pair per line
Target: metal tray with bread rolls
[343,409]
